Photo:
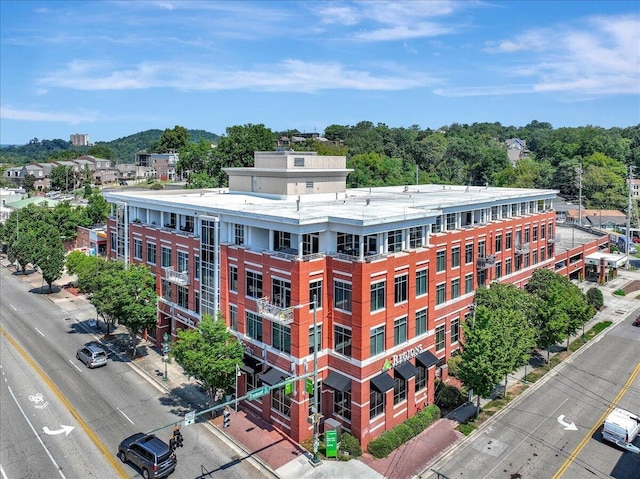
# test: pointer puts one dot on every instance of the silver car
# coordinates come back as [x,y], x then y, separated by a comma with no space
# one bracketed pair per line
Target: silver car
[92,356]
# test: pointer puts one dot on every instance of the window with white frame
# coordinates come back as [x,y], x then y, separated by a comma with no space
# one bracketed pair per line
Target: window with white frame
[376,402]
[238,231]
[394,241]
[455,288]
[281,337]
[401,288]
[422,282]
[166,257]
[281,401]
[441,294]
[281,292]
[253,325]
[455,256]
[451,221]
[421,321]
[399,389]
[166,289]
[342,340]
[233,317]
[400,331]
[282,240]
[376,340]
[415,237]
[233,278]
[421,378]
[342,295]
[315,291]
[342,404]
[137,249]
[317,341]
[468,283]
[468,253]
[254,284]
[378,293]
[183,261]
[151,253]
[455,330]
[183,297]
[441,261]
[196,267]
[440,338]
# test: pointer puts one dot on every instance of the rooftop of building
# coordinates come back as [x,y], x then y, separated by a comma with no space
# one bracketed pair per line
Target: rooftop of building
[361,205]
[568,237]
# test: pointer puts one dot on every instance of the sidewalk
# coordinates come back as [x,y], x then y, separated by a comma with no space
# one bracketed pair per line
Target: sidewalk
[271,451]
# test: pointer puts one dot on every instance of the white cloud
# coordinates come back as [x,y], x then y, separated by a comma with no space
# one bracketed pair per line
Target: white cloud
[56,117]
[289,75]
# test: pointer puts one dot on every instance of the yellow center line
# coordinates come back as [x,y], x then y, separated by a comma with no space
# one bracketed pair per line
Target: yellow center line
[109,456]
[574,454]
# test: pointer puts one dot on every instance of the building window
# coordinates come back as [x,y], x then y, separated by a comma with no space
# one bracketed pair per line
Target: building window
[376,340]
[542,252]
[309,185]
[151,253]
[507,241]
[166,257]
[253,326]
[342,340]
[468,253]
[233,317]
[514,209]
[318,339]
[310,243]
[468,283]
[550,230]
[114,241]
[534,259]
[400,331]
[421,321]
[399,389]
[342,295]
[347,243]
[394,241]
[415,237]
[166,289]
[482,277]
[507,266]
[441,294]
[441,261]
[535,233]
[505,211]
[282,240]
[137,249]
[299,162]
[315,291]
[526,260]
[281,337]
[254,284]
[421,378]
[342,404]
[377,296]
[196,267]
[543,231]
[451,221]
[494,213]
[455,288]
[376,402]
[482,250]
[183,261]
[498,269]
[498,243]
[233,278]
[455,257]
[196,302]
[280,401]
[422,281]
[437,226]
[281,293]
[238,234]
[526,235]
[401,285]
[440,338]
[183,297]
[455,330]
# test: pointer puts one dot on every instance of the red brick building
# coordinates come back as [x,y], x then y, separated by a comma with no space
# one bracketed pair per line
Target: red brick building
[393,270]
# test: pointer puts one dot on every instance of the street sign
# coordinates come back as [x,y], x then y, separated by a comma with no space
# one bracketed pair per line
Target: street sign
[258,393]
[331,443]
[189,418]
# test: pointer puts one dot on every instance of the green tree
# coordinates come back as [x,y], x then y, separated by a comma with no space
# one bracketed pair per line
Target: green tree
[49,254]
[100,150]
[28,182]
[97,209]
[139,305]
[195,157]
[210,354]
[172,139]
[62,178]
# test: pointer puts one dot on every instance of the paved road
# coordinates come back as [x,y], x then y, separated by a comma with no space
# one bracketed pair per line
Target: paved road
[104,404]
[535,436]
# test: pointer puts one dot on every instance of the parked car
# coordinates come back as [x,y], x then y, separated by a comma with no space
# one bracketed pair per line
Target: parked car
[637,321]
[149,453]
[92,356]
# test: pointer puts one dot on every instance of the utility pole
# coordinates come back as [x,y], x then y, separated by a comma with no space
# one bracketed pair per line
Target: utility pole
[627,247]
[580,194]
[315,461]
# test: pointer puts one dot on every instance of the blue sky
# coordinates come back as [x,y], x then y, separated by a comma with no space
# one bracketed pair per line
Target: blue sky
[114,68]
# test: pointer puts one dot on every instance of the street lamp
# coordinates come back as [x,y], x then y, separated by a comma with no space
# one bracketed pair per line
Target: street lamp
[237,376]
[165,349]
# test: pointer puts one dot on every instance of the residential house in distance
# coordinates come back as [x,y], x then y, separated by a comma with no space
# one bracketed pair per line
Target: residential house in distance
[516,149]
[162,165]
[376,281]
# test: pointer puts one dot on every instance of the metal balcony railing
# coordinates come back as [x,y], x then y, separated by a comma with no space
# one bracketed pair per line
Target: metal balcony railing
[274,313]
[485,262]
[177,277]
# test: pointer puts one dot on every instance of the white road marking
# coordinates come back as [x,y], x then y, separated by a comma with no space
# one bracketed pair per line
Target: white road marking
[125,415]
[75,365]
[14,308]
[37,436]
[40,332]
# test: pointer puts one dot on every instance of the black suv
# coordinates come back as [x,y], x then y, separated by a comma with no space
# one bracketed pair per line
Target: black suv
[150,453]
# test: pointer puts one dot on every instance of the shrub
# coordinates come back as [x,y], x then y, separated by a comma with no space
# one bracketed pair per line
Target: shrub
[404,432]
[595,298]
[619,292]
[381,446]
[350,444]
[454,365]
[448,397]
[157,186]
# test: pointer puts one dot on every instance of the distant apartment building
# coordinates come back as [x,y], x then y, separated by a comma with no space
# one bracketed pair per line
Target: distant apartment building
[376,281]
[79,139]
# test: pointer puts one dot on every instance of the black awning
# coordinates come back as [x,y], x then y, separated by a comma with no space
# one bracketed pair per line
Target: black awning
[251,365]
[383,382]
[406,370]
[338,382]
[427,359]
[272,376]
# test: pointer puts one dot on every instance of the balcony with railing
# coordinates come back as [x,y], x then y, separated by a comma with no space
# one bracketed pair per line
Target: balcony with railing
[178,277]
[273,312]
[522,248]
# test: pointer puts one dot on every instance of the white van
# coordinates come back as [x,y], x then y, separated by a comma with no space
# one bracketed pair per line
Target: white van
[622,427]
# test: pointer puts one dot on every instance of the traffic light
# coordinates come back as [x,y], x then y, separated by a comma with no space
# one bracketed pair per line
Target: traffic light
[226,418]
